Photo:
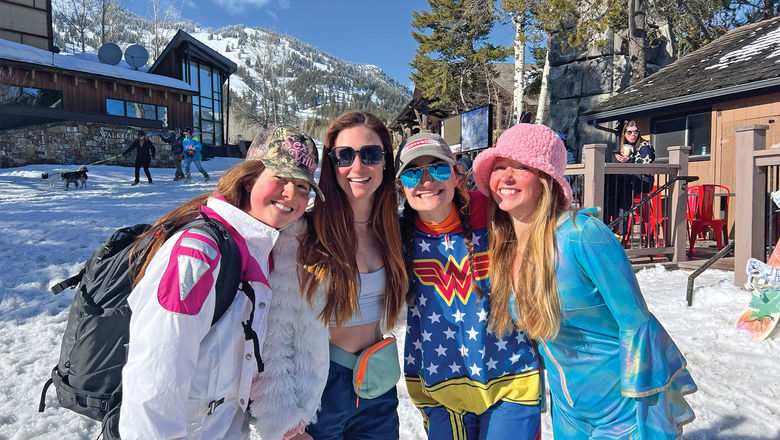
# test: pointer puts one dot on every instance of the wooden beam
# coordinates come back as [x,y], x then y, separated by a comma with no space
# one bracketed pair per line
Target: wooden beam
[54,77]
[75,80]
[96,83]
[113,85]
[132,90]
[165,94]
[150,92]
[32,74]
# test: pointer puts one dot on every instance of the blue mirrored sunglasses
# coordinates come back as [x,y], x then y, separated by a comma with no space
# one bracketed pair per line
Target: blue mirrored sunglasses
[440,171]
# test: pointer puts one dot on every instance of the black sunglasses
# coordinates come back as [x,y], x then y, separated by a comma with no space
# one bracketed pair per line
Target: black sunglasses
[369,155]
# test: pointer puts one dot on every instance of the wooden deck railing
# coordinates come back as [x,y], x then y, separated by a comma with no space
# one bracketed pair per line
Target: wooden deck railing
[589,181]
[753,222]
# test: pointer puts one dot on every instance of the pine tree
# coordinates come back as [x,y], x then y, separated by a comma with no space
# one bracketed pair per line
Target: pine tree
[452,64]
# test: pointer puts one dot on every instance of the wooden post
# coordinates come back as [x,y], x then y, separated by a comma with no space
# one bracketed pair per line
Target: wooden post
[750,193]
[678,204]
[593,188]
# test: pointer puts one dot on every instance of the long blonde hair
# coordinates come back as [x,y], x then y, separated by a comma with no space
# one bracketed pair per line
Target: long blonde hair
[328,249]
[537,304]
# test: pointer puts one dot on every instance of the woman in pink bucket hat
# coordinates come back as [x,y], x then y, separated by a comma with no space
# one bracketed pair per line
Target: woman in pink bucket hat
[613,370]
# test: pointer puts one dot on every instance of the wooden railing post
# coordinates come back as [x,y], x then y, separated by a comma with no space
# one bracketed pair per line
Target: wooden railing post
[750,193]
[593,188]
[678,199]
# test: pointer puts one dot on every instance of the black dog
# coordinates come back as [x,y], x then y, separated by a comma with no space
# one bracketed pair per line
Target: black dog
[75,177]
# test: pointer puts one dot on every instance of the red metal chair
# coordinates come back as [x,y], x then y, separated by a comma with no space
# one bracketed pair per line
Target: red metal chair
[651,219]
[700,215]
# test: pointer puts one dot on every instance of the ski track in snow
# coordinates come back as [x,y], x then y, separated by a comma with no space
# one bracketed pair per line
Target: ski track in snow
[47,233]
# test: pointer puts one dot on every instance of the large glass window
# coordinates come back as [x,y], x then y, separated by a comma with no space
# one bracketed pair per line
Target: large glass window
[30,96]
[207,106]
[130,109]
[692,130]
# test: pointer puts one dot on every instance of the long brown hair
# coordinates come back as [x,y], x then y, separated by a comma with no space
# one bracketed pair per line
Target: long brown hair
[328,249]
[235,186]
[462,201]
[537,303]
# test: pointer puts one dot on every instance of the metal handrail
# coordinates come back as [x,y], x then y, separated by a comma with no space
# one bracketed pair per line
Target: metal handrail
[627,213]
[705,266]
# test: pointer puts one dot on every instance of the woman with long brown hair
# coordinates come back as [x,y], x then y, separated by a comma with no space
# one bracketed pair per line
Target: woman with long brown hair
[613,370]
[352,255]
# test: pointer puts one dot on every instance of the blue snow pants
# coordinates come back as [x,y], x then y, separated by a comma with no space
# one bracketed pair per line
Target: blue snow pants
[503,420]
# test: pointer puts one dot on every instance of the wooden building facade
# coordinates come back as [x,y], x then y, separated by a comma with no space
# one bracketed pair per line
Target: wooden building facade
[27,22]
[700,100]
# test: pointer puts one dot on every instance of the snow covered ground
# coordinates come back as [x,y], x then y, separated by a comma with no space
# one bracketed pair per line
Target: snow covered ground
[47,233]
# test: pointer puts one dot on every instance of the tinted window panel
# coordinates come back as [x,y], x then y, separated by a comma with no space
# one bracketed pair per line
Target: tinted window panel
[115,107]
[162,115]
[9,94]
[205,82]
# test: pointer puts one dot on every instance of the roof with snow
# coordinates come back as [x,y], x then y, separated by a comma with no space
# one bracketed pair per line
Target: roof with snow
[225,64]
[744,60]
[85,63]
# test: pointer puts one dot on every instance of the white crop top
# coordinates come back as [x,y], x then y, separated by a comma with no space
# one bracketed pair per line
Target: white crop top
[370,300]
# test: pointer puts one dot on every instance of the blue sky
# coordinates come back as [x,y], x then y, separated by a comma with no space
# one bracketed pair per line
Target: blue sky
[374,32]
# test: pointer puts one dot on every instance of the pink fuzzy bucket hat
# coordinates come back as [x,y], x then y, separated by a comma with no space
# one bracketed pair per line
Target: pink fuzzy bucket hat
[533,145]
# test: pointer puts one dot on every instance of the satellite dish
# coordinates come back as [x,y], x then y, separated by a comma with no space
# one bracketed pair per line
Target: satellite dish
[136,56]
[110,53]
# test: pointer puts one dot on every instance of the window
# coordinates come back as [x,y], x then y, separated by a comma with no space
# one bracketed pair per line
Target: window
[692,130]
[118,107]
[162,115]
[115,107]
[30,96]
[207,105]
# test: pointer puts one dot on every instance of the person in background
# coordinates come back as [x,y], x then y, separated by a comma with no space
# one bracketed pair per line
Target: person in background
[352,256]
[144,153]
[468,381]
[191,148]
[621,189]
[175,139]
[187,377]
[613,370]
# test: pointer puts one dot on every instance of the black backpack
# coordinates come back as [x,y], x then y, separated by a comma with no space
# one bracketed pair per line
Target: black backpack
[88,376]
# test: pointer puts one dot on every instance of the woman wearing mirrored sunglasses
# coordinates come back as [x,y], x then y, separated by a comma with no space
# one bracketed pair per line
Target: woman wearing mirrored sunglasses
[467,382]
[352,256]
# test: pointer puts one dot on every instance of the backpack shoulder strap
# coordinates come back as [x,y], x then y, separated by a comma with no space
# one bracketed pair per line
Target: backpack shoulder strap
[228,278]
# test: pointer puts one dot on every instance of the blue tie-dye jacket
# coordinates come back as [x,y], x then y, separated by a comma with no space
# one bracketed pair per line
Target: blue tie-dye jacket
[611,356]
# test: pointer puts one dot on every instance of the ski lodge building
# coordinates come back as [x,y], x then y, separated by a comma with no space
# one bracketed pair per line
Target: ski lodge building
[81,108]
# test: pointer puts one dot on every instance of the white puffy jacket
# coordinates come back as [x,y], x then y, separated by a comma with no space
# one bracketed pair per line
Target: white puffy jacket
[184,378]
[289,390]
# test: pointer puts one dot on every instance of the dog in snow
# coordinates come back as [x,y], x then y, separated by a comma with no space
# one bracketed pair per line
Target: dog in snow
[75,177]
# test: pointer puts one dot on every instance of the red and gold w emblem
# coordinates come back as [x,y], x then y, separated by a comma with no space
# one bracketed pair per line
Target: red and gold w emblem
[452,278]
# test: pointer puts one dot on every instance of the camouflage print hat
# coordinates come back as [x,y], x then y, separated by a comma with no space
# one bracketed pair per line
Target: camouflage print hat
[288,152]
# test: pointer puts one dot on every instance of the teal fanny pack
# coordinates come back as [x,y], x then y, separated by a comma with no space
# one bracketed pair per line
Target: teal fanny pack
[375,370]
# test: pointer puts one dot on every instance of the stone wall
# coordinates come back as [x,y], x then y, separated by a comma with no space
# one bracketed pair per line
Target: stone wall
[74,143]
[583,77]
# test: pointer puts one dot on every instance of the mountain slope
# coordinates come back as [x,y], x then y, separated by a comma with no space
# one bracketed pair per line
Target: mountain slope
[279,79]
